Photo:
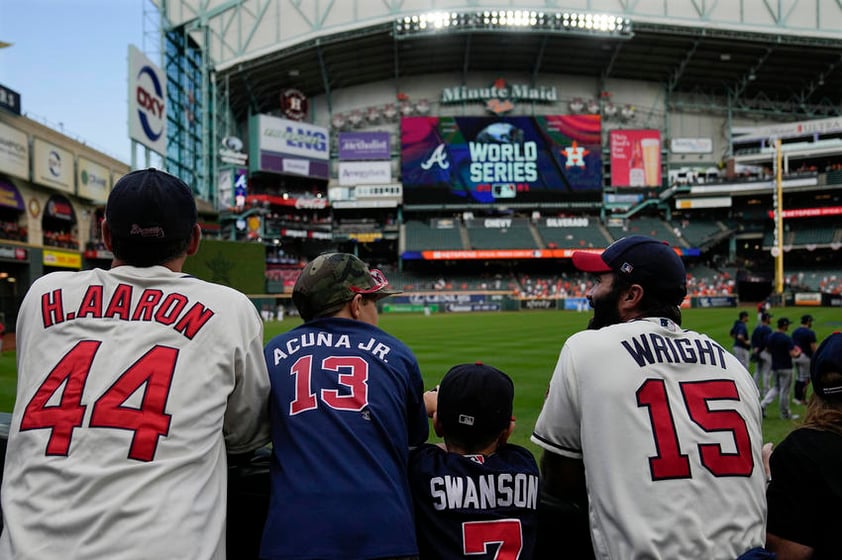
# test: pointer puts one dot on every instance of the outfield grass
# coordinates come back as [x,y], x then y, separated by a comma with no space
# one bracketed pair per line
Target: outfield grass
[524,344]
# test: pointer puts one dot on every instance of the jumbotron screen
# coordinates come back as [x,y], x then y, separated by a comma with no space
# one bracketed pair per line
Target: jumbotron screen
[501,159]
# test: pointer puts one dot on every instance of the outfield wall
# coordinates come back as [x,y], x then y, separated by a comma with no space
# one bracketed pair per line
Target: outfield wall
[460,302]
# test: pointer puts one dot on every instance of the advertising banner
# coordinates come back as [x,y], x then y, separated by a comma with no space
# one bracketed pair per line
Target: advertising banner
[52,166]
[538,304]
[147,102]
[14,152]
[62,259]
[289,147]
[93,180]
[691,145]
[10,196]
[365,173]
[500,159]
[355,146]
[635,158]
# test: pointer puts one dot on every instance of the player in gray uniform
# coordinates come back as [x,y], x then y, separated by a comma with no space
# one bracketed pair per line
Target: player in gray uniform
[660,425]
[134,383]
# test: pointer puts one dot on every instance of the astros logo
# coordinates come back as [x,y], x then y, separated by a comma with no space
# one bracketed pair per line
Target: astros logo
[575,155]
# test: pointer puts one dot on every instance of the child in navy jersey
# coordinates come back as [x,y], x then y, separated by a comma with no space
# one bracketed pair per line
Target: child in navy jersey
[476,496]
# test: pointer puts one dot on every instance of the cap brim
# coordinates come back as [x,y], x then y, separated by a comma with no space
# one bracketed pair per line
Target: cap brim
[590,262]
[386,292]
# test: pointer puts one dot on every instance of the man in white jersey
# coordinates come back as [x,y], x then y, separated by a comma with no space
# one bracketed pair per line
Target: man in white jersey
[133,384]
[663,423]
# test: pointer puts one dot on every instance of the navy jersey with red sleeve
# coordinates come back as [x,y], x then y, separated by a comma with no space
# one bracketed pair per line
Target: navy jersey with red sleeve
[346,405]
[471,506]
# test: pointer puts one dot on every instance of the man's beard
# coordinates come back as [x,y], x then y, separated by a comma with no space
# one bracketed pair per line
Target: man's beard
[605,310]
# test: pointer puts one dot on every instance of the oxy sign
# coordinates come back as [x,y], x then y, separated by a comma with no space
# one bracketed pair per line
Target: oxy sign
[147,102]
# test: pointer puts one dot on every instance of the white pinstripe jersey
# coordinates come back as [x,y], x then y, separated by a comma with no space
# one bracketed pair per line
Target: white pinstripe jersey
[131,382]
[668,425]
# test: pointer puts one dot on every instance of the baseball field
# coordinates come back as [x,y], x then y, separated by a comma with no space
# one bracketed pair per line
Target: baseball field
[525,344]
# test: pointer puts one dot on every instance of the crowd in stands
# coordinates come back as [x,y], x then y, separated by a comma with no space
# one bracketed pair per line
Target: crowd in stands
[63,239]
[12,231]
[827,282]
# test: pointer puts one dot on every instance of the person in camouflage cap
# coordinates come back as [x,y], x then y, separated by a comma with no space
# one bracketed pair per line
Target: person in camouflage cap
[346,405]
[333,279]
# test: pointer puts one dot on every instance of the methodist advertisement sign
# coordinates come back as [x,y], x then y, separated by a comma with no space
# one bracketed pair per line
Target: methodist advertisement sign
[355,146]
[635,158]
[500,159]
[290,147]
[14,152]
[147,102]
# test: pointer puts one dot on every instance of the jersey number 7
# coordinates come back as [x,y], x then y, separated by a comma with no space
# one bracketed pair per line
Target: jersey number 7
[148,422]
[477,535]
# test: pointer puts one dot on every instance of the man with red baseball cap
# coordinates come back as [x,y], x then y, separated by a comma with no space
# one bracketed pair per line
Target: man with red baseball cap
[654,430]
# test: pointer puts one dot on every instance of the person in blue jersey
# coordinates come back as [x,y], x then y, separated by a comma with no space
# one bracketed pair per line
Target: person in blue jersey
[760,355]
[476,495]
[346,405]
[742,344]
[805,338]
[782,350]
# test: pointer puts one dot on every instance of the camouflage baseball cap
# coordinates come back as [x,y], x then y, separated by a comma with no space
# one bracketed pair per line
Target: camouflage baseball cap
[332,279]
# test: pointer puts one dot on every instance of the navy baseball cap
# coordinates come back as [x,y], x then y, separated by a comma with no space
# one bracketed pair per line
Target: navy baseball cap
[641,260]
[149,205]
[828,359]
[783,322]
[332,279]
[475,402]
[806,318]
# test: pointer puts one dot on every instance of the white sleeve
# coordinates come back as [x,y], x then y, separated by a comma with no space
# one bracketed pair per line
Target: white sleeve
[558,427]
[246,425]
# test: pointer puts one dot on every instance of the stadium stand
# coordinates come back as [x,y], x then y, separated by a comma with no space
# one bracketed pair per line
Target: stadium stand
[518,235]
[594,236]
[420,236]
[698,232]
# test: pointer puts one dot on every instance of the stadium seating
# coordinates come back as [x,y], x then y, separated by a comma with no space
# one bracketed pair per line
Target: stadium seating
[419,236]
[592,237]
[698,232]
[518,236]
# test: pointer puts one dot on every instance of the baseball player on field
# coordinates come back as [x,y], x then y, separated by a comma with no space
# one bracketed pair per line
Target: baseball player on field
[133,383]
[661,425]
[476,496]
[346,405]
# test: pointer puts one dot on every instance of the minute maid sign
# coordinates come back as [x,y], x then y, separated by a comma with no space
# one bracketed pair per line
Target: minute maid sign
[500,96]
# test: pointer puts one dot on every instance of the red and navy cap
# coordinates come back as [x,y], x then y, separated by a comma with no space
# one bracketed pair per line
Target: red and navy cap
[642,260]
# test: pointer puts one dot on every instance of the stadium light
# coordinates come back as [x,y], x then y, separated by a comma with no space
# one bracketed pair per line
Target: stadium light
[590,23]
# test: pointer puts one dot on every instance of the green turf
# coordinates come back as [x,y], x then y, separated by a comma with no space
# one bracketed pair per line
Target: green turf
[524,344]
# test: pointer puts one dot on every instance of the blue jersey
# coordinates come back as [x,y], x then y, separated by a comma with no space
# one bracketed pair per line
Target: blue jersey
[779,345]
[804,337]
[759,336]
[737,330]
[473,506]
[346,405]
